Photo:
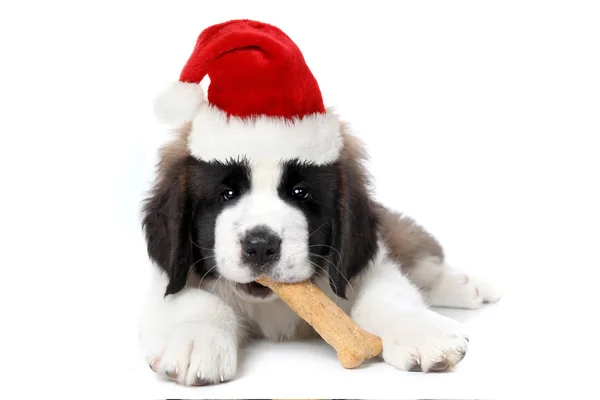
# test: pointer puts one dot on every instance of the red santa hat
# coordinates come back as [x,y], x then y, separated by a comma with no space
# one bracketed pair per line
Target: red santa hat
[263,101]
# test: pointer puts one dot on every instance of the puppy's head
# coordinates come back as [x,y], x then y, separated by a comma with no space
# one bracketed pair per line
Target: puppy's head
[254,211]
[262,179]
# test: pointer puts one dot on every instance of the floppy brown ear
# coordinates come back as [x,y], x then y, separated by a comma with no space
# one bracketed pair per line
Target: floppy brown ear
[354,233]
[167,217]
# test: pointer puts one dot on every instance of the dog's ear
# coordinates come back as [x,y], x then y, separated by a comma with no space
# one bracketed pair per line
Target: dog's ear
[354,228]
[167,220]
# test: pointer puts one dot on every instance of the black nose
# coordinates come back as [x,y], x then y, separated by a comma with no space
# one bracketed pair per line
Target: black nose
[261,245]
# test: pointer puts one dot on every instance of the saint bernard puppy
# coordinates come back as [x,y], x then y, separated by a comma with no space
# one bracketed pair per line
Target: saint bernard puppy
[260,178]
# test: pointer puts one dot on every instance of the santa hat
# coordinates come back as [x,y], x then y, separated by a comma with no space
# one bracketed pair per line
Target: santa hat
[263,101]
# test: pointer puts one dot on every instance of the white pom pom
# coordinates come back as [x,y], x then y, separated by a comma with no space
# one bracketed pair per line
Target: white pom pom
[178,103]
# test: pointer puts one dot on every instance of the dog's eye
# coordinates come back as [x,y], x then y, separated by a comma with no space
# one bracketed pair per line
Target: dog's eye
[299,193]
[228,194]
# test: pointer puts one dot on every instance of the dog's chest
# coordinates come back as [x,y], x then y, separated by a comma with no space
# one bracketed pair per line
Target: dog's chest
[274,320]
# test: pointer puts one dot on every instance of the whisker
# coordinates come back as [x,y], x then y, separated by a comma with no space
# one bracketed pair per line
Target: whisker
[322,269]
[326,280]
[321,276]
[322,225]
[201,248]
[329,261]
[334,266]
[326,245]
[218,279]
[207,272]
[232,285]
[194,264]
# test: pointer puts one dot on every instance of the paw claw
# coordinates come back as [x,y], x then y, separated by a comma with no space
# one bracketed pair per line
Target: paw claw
[415,366]
[441,365]
[153,364]
[433,343]
[194,355]
[172,373]
[199,381]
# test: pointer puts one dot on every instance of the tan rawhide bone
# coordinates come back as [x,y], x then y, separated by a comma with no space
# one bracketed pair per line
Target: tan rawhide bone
[352,343]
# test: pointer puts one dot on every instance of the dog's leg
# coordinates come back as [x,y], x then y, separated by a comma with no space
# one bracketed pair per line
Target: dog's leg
[414,337]
[191,337]
[422,260]
[445,286]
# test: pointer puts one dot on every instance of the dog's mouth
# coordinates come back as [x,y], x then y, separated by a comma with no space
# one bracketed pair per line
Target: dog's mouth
[255,289]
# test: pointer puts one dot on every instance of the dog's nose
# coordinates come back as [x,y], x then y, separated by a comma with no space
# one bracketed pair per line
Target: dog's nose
[261,245]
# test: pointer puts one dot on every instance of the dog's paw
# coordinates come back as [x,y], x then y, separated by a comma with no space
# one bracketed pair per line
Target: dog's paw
[459,290]
[424,341]
[194,354]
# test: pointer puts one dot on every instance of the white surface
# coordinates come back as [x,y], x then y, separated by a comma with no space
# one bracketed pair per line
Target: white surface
[482,122]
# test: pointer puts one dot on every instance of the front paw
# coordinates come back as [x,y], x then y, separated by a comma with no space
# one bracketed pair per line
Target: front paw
[424,341]
[194,354]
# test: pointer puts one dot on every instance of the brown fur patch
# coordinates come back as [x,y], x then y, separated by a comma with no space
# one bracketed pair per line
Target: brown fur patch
[175,150]
[407,241]
[352,156]
[170,161]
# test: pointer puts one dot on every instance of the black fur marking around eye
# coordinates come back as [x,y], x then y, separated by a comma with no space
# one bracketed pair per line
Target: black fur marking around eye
[208,180]
[180,212]
[319,181]
[342,223]
[318,207]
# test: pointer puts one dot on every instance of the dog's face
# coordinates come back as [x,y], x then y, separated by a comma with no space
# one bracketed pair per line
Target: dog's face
[235,220]
[273,219]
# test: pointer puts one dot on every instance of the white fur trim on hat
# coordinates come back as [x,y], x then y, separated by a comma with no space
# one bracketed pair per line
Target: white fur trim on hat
[178,103]
[315,138]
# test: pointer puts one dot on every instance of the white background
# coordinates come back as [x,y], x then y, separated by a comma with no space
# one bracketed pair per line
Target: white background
[482,120]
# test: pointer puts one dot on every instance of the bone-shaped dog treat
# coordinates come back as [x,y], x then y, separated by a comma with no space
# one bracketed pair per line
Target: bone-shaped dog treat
[352,343]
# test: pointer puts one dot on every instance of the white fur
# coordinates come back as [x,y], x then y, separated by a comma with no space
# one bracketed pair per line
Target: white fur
[215,137]
[203,325]
[263,206]
[192,334]
[271,318]
[390,306]
[178,103]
